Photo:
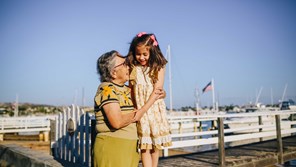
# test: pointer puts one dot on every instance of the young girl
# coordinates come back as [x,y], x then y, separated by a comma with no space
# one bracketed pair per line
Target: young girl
[147,73]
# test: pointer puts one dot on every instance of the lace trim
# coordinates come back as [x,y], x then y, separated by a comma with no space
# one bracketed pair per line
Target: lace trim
[158,142]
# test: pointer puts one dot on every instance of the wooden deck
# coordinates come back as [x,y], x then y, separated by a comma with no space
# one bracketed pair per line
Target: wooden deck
[251,155]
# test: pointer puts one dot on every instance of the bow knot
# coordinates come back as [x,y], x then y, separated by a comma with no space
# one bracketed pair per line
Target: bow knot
[152,37]
[155,43]
[141,33]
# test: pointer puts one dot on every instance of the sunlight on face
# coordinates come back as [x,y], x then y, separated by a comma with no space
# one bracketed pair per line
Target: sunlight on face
[122,70]
[142,54]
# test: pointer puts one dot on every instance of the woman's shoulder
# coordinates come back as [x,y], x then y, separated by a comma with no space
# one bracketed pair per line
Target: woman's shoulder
[109,86]
[106,84]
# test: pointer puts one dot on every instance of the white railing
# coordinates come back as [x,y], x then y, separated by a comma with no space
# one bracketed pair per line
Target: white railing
[258,130]
[74,144]
[24,124]
[72,134]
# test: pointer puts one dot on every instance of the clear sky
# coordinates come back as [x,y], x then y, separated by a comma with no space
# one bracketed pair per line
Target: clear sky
[48,49]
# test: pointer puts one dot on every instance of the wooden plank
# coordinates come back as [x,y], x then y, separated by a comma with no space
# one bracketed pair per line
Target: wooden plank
[250,155]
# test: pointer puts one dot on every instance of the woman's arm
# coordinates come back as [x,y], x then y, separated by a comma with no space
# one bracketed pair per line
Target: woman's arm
[115,117]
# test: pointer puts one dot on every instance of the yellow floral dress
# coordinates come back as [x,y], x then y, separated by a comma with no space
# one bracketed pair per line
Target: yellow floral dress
[153,128]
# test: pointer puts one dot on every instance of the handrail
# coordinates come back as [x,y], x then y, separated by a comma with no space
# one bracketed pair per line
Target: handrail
[24,124]
[270,130]
[219,115]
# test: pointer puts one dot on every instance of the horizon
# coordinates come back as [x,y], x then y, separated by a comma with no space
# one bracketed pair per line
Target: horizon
[49,49]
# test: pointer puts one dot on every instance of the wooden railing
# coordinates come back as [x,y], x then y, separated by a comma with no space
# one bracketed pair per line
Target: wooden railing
[24,124]
[222,136]
[73,144]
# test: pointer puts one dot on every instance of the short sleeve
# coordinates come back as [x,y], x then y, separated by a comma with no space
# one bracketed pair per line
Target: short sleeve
[105,94]
[132,76]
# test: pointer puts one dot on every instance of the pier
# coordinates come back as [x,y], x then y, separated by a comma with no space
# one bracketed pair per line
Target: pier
[72,134]
[251,155]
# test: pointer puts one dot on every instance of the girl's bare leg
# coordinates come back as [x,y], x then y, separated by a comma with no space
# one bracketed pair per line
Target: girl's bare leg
[155,157]
[146,158]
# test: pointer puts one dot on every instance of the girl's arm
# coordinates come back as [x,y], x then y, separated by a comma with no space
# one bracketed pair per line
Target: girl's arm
[115,116]
[155,95]
[160,81]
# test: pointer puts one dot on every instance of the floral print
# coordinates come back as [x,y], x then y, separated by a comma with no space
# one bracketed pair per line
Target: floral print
[153,128]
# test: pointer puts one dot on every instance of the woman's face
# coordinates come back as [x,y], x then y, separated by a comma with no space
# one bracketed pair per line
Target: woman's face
[121,69]
[142,54]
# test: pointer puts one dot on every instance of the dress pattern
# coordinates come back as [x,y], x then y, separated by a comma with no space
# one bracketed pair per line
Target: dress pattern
[153,128]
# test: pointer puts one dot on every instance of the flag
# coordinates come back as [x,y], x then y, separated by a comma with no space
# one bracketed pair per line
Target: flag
[207,88]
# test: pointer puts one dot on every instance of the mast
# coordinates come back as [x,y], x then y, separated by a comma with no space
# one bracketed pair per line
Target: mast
[271,96]
[82,102]
[16,106]
[284,94]
[213,94]
[257,98]
[197,99]
[170,78]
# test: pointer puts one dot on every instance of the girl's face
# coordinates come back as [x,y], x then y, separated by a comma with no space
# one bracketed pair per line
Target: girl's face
[142,54]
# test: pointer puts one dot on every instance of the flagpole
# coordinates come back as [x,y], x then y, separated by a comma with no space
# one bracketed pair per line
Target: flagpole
[213,93]
[170,78]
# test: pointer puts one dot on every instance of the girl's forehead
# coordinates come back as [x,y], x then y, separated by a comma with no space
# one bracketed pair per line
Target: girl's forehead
[142,48]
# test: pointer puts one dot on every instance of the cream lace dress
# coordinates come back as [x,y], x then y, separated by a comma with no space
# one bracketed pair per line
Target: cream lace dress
[153,128]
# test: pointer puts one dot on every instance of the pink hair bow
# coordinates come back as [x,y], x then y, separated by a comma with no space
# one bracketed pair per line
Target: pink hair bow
[141,33]
[155,43]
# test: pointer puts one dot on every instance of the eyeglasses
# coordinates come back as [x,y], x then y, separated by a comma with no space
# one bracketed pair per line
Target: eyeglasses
[124,64]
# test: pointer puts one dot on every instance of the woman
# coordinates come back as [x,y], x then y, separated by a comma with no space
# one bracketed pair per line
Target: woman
[116,141]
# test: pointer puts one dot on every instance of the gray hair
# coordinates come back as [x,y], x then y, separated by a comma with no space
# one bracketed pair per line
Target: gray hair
[105,63]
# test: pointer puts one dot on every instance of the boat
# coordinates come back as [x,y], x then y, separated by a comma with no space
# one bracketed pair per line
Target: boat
[286,105]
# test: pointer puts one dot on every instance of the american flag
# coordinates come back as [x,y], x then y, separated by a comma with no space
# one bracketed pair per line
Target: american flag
[207,88]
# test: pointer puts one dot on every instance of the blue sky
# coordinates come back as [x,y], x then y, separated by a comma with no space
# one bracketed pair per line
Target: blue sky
[48,49]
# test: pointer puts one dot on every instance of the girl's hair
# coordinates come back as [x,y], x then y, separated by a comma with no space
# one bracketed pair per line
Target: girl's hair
[105,64]
[156,60]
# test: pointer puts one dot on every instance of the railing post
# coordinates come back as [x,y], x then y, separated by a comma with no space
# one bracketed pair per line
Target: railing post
[195,126]
[200,126]
[279,139]
[213,124]
[221,142]
[260,123]
[93,139]
[165,152]
[180,127]
[195,122]
[87,134]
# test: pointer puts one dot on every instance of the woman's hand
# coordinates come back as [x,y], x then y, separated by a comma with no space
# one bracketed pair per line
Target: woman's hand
[158,93]
[162,94]
[138,115]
